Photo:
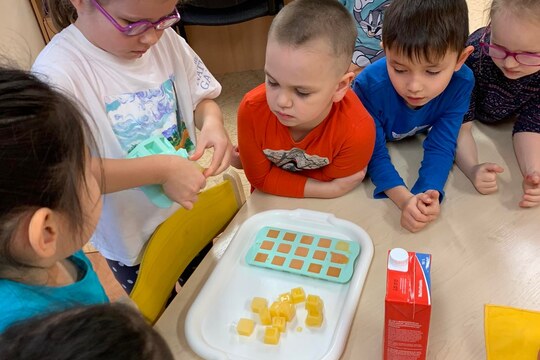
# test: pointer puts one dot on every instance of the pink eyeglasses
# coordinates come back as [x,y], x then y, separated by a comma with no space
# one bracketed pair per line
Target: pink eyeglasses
[500,53]
[139,27]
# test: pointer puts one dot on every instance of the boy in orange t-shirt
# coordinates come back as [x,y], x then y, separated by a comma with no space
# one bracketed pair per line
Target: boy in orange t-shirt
[304,133]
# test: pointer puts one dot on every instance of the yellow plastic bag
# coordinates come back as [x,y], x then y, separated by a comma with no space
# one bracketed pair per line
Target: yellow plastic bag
[511,333]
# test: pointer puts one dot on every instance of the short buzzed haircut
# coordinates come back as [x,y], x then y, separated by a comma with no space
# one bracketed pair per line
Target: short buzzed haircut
[303,21]
[426,29]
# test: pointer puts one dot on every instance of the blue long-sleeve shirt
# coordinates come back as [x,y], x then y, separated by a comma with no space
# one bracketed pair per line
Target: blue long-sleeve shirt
[394,120]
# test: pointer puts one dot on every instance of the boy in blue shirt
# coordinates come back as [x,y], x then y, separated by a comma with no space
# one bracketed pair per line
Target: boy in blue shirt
[420,86]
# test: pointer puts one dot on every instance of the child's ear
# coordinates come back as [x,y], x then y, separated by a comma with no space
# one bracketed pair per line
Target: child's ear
[79,5]
[463,56]
[343,85]
[43,232]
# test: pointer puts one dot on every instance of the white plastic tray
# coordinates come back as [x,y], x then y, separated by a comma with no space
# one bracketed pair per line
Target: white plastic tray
[225,298]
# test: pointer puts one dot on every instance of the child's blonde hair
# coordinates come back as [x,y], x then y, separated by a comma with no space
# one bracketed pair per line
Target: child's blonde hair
[305,20]
[62,13]
[526,8]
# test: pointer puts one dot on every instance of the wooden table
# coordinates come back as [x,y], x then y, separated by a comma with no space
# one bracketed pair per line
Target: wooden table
[485,250]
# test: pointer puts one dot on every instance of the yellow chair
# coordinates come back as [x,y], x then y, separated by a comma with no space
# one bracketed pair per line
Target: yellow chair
[179,239]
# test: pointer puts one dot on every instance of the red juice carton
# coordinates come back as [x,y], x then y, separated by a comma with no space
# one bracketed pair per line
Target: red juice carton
[407,305]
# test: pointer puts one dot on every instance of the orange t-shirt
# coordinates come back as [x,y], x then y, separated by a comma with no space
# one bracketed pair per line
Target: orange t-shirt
[274,163]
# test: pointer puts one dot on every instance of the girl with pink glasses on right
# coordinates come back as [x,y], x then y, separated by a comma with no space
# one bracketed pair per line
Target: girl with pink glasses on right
[506,64]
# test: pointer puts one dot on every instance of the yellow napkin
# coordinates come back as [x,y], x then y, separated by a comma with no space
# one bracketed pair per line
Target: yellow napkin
[511,333]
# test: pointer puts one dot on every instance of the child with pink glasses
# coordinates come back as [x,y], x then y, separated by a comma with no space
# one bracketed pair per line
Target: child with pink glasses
[506,64]
[137,79]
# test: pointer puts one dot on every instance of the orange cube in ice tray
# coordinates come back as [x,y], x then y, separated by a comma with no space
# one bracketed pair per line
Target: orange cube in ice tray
[317,256]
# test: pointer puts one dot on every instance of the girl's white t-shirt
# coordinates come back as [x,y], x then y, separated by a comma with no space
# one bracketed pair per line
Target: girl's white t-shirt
[126,102]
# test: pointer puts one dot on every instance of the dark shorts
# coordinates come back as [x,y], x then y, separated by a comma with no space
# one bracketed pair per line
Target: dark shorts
[127,275]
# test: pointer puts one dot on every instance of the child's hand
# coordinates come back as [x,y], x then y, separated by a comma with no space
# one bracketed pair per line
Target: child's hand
[346,184]
[419,210]
[531,190]
[429,205]
[213,135]
[484,177]
[182,180]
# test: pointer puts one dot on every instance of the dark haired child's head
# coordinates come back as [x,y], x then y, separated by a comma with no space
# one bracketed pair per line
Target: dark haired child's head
[309,50]
[515,25]
[424,42]
[50,201]
[108,331]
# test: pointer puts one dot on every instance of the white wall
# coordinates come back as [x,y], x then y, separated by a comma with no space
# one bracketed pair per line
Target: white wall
[20,37]
[478,13]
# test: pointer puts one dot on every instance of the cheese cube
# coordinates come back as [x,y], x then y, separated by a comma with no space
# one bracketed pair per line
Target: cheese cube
[298,295]
[287,310]
[245,326]
[286,297]
[265,317]
[314,304]
[258,303]
[314,319]
[271,335]
[274,308]
[280,323]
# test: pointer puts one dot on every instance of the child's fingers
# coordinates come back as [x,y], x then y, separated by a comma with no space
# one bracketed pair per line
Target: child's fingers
[221,159]
[488,188]
[430,211]
[225,162]
[418,216]
[433,194]
[409,223]
[424,198]
[199,151]
[532,192]
[423,208]
[188,204]
[529,202]
[492,167]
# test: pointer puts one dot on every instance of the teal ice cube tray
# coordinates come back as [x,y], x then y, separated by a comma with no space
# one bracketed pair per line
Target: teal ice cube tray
[156,145]
[317,256]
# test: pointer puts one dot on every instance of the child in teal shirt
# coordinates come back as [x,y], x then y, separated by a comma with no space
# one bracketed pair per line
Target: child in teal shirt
[50,204]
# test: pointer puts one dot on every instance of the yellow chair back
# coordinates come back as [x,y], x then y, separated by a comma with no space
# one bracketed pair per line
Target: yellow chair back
[179,239]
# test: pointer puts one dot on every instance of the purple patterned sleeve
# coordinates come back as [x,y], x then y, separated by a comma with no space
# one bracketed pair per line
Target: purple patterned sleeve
[529,118]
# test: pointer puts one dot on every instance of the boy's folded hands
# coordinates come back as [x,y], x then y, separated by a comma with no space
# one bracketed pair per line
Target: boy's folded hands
[419,210]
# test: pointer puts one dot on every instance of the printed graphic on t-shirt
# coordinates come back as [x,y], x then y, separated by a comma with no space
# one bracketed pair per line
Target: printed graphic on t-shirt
[411,132]
[137,116]
[295,159]
[204,78]
[368,15]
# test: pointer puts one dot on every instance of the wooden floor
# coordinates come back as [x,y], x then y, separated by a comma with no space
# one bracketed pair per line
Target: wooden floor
[112,287]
